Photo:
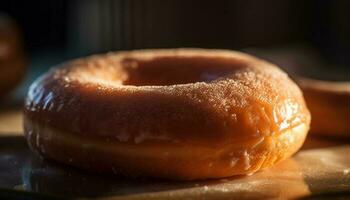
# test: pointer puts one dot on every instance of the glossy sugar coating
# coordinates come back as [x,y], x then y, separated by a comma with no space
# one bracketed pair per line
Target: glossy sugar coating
[179,113]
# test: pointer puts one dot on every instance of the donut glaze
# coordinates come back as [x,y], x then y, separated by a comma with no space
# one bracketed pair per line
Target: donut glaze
[179,114]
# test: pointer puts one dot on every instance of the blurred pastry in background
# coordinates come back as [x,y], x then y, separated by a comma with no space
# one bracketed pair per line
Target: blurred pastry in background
[12,62]
[329,104]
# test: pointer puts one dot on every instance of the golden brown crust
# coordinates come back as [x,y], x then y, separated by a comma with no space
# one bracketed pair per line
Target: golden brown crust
[174,161]
[329,104]
[238,107]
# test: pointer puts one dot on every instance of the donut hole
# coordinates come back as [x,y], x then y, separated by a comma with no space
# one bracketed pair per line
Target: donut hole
[172,70]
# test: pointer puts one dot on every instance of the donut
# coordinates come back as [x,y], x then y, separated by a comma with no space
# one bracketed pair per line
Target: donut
[181,114]
[12,64]
[329,104]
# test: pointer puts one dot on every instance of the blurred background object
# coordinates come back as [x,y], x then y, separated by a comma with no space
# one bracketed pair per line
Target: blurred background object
[12,64]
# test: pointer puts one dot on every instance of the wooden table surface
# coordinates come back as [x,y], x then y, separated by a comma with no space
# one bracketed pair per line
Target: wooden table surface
[11,122]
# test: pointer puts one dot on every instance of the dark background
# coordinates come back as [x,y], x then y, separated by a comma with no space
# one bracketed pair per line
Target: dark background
[310,37]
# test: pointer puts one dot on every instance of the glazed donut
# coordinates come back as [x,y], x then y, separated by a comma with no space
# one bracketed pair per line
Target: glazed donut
[329,104]
[179,114]
[12,65]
